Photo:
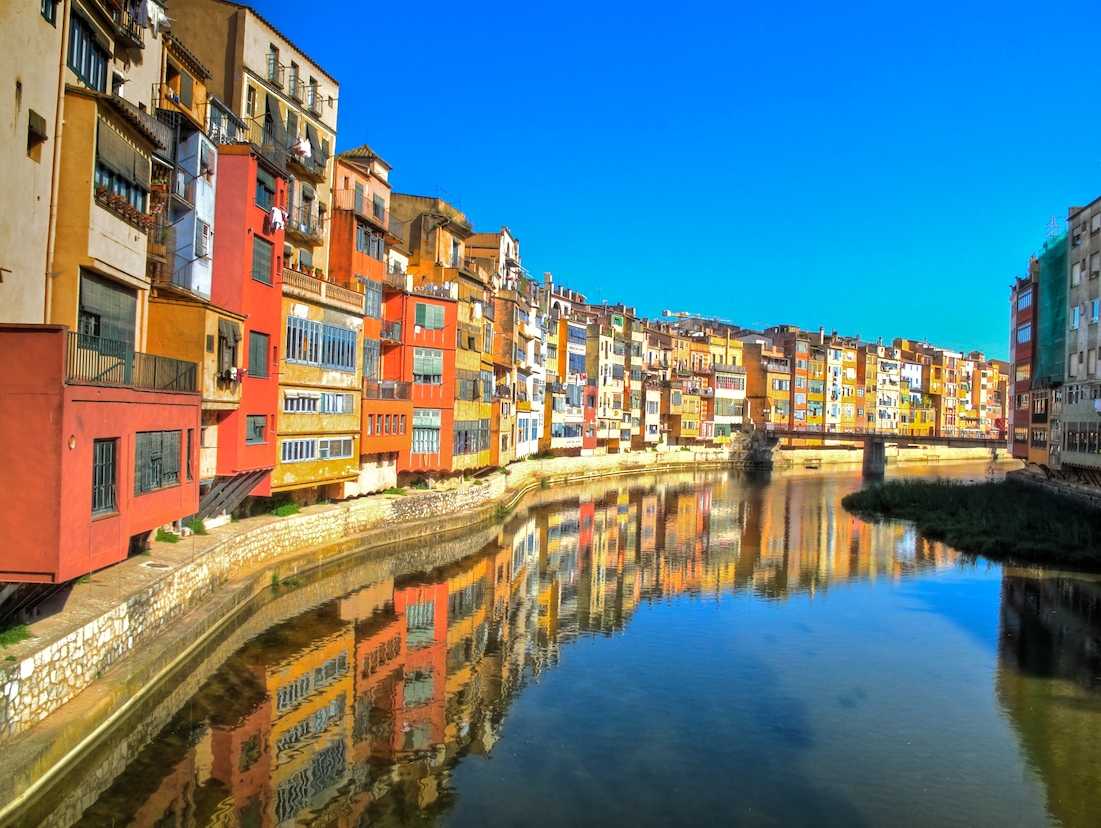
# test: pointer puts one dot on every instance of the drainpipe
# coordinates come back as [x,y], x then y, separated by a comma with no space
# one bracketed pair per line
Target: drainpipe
[59,109]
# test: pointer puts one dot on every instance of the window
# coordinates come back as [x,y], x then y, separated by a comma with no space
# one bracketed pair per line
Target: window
[372,299]
[316,343]
[107,309]
[426,431]
[333,403]
[298,451]
[157,461]
[370,359]
[256,429]
[1095,310]
[262,253]
[1024,333]
[378,207]
[428,366]
[300,402]
[117,184]
[86,57]
[1024,299]
[49,11]
[1095,265]
[575,363]
[104,499]
[250,101]
[338,348]
[429,316]
[258,354]
[204,239]
[190,447]
[334,448]
[1076,273]
[1075,317]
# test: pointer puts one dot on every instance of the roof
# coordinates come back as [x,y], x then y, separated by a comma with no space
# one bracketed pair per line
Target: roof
[143,123]
[188,57]
[363,151]
[275,29]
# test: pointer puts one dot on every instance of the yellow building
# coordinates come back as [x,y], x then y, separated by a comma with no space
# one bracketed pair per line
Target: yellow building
[320,371]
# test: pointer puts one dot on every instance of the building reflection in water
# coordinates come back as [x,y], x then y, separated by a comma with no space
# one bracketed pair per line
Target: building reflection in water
[1049,678]
[355,712]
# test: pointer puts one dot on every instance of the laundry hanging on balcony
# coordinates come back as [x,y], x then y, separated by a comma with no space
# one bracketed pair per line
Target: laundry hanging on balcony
[277,219]
[301,148]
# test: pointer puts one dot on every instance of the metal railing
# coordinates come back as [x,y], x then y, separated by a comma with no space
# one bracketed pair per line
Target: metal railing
[317,288]
[313,166]
[304,222]
[391,331]
[275,70]
[386,390]
[98,361]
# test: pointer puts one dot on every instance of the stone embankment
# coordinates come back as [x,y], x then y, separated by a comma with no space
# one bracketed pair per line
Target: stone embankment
[118,612]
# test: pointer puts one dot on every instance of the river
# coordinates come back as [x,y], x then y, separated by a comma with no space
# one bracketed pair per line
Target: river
[716,650]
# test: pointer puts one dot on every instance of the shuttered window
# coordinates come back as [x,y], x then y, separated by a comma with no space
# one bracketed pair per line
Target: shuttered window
[258,354]
[426,431]
[157,460]
[429,316]
[370,359]
[427,366]
[262,254]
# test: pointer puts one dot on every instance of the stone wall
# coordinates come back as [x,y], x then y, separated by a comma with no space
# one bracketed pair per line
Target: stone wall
[43,681]
[1086,495]
[815,457]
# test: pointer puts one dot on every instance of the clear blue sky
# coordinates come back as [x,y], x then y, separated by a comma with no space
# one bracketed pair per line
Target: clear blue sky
[880,169]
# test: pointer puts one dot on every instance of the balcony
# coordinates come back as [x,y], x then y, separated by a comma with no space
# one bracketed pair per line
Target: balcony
[395,278]
[363,205]
[391,331]
[306,157]
[275,71]
[262,136]
[93,360]
[309,286]
[304,223]
[182,187]
[386,390]
[128,26]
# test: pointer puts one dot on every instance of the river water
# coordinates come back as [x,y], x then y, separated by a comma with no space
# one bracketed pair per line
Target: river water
[716,650]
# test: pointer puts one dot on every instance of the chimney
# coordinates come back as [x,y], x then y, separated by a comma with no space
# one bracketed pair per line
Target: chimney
[821,335]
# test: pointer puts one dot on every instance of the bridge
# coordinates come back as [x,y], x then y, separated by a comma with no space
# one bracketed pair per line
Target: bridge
[875,442]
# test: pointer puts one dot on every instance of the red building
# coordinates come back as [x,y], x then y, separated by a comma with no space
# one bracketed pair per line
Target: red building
[425,358]
[247,279]
[358,245]
[588,428]
[1023,322]
[109,439]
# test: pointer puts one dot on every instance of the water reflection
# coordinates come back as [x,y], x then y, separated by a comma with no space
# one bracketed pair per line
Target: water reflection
[361,707]
[361,710]
[1048,677]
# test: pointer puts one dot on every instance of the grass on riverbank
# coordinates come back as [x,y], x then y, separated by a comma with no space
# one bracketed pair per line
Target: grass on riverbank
[1003,520]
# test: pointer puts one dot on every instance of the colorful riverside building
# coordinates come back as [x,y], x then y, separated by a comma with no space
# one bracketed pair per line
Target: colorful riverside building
[365,254]
[215,295]
[287,102]
[437,256]
[567,374]
[107,431]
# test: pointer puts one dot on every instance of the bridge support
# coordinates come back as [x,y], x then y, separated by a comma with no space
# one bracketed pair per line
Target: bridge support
[875,457]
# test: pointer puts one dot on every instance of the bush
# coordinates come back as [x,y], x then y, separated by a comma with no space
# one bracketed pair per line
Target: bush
[395,490]
[164,536]
[420,484]
[500,512]
[1003,520]
[196,525]
[285,510]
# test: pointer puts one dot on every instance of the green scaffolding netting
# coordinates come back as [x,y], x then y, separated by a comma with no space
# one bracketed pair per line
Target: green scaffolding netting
[1051,341]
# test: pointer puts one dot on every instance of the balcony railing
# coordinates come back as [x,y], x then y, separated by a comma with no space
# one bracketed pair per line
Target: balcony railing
[313,165]
[386,390]
[310,286]
[129,26]
[304,222]
[391,331]
[263,137]
[98,361]
[275,70]
[395,278]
